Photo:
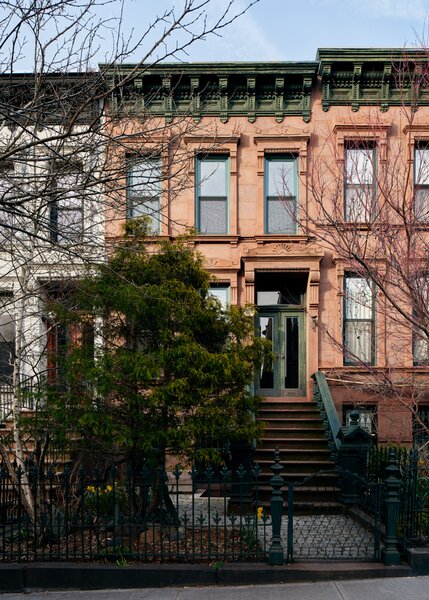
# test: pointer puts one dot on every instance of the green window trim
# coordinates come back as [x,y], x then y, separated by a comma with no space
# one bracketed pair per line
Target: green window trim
[212,206]
[281,195]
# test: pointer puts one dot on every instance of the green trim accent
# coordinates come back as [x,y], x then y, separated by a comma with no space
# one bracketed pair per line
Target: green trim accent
[323,393]
[364,76]
[279,314]
[215,89]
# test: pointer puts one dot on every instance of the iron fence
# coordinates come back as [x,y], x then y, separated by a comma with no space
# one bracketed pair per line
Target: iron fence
[132,516]
[214,515]
[413,474]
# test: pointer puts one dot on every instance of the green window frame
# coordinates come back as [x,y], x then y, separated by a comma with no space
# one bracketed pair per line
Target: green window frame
[421,181]
[143,192]
[360,176]
[358,321]
[281,194]
[212,174]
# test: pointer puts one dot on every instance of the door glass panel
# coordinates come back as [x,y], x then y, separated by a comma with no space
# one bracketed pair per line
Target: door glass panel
[292,353]
[266,379]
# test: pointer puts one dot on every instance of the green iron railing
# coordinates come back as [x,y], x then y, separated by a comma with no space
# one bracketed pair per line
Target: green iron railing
[326,405]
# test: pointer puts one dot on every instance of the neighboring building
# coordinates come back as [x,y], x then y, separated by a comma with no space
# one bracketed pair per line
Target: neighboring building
[51,218]
[289,172]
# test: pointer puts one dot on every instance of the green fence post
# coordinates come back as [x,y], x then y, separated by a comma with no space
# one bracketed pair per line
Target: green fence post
[275,554]
[392,484]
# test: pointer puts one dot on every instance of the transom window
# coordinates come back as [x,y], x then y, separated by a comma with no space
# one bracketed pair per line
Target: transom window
[212,191]
[281,194]
[358,324]
[144,179]
[359,205]
[421,182]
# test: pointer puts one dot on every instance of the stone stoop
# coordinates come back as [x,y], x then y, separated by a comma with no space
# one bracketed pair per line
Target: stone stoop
[294,426]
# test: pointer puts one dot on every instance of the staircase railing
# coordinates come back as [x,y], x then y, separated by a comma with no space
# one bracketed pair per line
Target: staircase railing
[326,405]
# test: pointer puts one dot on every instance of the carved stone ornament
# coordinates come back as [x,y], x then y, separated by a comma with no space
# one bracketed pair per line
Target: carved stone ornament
[221,263]
[282,248]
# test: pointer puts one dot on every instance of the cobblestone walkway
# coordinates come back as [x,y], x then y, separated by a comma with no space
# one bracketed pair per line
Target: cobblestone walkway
[327,536]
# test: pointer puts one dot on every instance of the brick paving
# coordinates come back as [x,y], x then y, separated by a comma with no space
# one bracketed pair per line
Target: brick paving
[323,536]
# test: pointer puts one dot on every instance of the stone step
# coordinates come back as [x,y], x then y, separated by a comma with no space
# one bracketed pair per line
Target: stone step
[293,454]
[276,440]
[303,423]
[289,413]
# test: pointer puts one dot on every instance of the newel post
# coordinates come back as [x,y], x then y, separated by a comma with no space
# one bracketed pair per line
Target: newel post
[275,554]
[392,486]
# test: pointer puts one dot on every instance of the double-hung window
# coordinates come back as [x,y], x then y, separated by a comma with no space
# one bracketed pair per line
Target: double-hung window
[421,316]
[66,207]
[360,184]
[421,182]
[212,194]
[281,194]
[358,322]
[144,179]
[7,339]
[7,197]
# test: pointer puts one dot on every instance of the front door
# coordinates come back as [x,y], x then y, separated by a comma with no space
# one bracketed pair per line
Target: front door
[284,374]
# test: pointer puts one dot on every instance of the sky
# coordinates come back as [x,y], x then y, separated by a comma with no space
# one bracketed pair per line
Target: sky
[271,30]
[291,30]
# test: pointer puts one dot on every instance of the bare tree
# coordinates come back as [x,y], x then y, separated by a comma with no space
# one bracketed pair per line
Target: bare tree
[368,208]
[64,132]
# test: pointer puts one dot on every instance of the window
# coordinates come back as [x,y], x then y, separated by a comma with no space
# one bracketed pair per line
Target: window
[358,325]
[7,194]
[421,182]
[367,417]
[221,293]
[280,194]
[420,296]
[359,205]
[212,193]
[7,339]
[421,425]
[66,210]
[144,179]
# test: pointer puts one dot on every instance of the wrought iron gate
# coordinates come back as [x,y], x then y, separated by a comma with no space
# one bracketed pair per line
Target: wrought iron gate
[325,521]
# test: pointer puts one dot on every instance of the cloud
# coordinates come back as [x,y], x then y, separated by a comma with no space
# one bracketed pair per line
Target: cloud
[244,39]
[396,9]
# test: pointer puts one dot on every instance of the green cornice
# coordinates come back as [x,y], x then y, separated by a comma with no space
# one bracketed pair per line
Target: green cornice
[276,89]
[373,77]
[370,54]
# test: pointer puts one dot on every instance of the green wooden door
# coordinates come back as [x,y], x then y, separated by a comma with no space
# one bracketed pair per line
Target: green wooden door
[285,373]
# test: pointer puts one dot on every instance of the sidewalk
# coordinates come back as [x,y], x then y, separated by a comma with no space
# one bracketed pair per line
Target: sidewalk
[395,588]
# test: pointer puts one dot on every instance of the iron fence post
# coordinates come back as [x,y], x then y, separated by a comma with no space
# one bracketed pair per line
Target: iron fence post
[353,458]
[392,484]
[290,523]
[275,553]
